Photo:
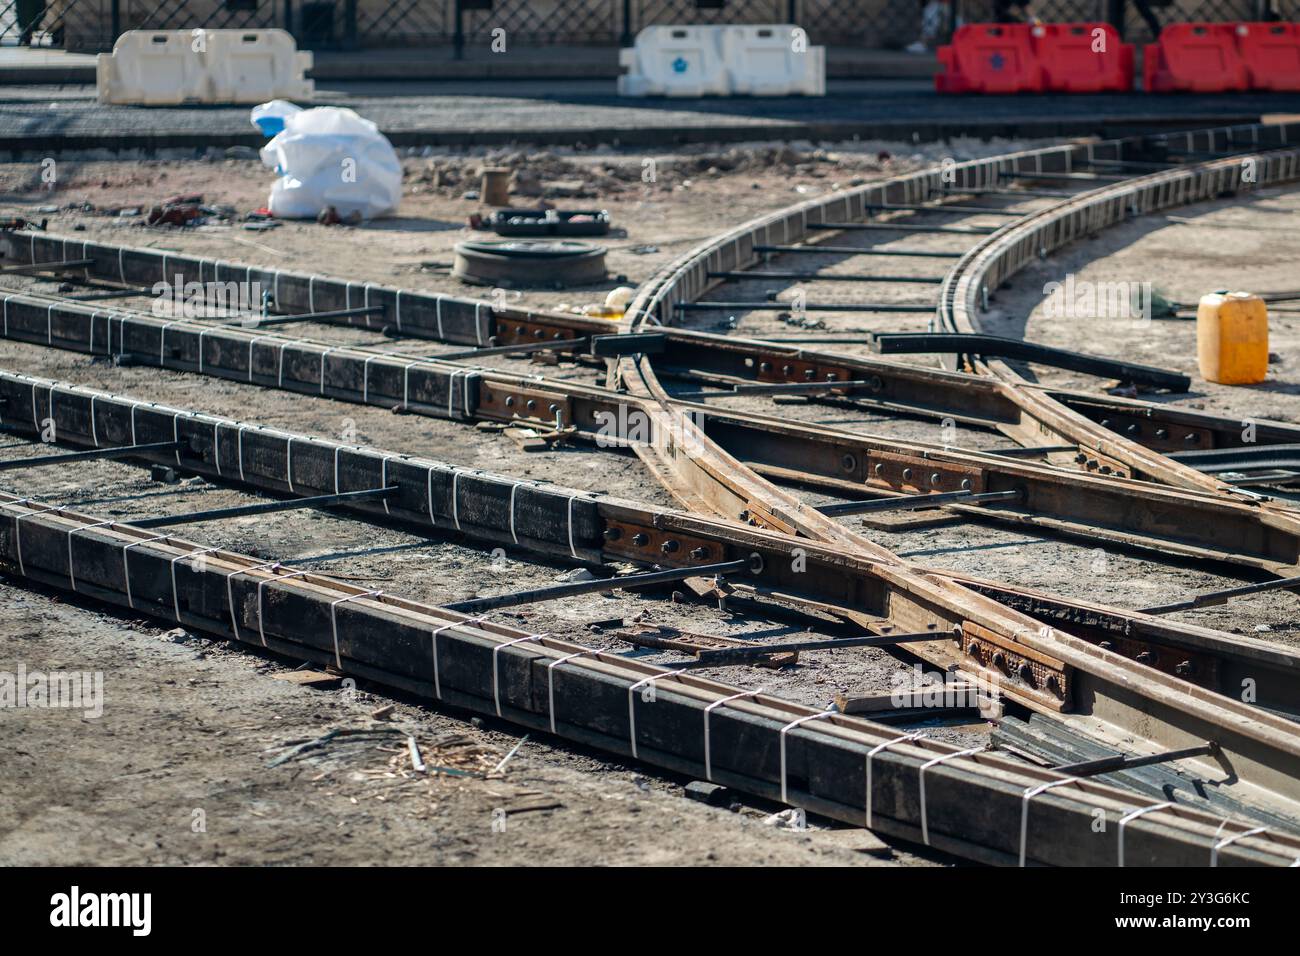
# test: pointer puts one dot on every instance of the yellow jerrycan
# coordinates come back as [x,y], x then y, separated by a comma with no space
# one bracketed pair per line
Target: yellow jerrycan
[1232,338]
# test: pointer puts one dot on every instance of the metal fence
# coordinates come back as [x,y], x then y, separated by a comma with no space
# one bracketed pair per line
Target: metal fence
[352,24]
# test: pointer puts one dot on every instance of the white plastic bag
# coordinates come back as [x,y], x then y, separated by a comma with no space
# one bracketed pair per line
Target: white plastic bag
[329,156]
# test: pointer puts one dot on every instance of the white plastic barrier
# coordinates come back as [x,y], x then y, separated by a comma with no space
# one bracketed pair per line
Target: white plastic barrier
[773,61]
[764,60]
[169,67]
[151,68]
[253,66]
[674,61]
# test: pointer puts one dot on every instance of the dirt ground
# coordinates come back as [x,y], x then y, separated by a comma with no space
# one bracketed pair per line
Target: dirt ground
[79,797]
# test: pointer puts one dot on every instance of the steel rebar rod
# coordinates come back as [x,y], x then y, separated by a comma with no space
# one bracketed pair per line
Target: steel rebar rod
[1091,768]
[851,251]
[1222,597]
[555,592]
[911,502]
[770,306]
[123,451]
[821,277]
[904,227]
[740,655]
[265,507]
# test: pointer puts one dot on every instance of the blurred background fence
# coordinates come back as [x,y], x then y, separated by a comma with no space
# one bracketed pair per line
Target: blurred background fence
[375,24]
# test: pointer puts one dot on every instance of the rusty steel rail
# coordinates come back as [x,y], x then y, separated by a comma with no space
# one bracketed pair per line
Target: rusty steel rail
[1068,502]
[1106,428]
[1054,670]
[840,766]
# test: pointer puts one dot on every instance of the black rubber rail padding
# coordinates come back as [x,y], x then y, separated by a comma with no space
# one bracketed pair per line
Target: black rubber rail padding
[997,346]
[628,343]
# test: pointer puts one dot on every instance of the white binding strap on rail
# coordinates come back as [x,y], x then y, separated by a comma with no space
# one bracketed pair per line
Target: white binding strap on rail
[383,480]
[126,565]
[230,591]
[406,385]
[288,462]
[323,354]
[1227,841]
[550,680]
[881,748]
[455,506]
[925,823]
[433,640]
[428,494]
[1124,820]
[786,729]
[176,600]
[72,577]
[438,313]
[94,434]
[399,310]
[7,298]
[708,754]
[334,620]
[1030,793]
[216,446]
[365,379]
[49,324]
[631,705]
[496,673]
[261,613]
[572,550]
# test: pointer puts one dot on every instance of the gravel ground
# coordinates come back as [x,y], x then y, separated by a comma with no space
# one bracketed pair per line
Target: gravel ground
[136,803]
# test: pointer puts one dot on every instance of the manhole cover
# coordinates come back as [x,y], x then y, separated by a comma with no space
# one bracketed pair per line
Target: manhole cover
[513,263]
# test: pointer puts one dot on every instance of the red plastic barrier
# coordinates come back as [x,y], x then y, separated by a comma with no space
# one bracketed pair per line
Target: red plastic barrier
[990,58]
[1195,57]
[1271,54]
[1083,58]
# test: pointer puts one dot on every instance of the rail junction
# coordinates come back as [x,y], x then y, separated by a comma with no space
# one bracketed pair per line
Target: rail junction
[1120,711]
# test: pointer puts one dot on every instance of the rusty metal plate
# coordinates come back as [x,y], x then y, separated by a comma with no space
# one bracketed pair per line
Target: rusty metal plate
[919,475]
[535,404]
[518,332]
[648,544]
[1156,435]
[1191,666]
[1045,678]
[782,368]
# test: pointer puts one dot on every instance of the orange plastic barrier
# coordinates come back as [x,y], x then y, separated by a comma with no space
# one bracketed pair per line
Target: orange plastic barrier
[1271,54]
[990,58]
[1196,58]
[1083,58]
